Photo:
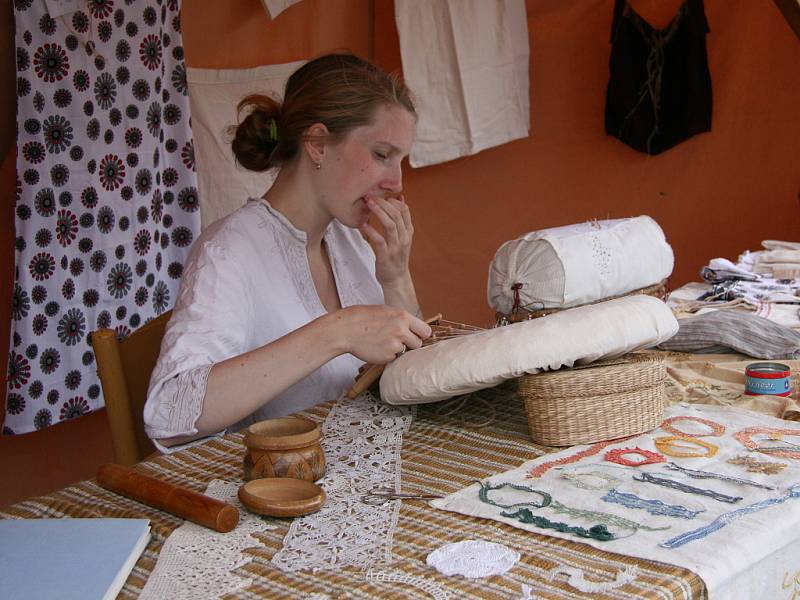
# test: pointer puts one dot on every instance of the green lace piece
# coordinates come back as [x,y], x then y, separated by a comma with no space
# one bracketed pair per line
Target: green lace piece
[603,517]
[483,494]
[548,502]
[596,532]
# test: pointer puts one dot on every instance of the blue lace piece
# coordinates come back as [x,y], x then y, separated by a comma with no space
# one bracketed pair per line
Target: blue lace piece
[689,489]
[696,474]
[654,507]
[729,517]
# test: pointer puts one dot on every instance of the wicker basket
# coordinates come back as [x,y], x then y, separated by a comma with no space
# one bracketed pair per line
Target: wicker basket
[658,290]
[605,400]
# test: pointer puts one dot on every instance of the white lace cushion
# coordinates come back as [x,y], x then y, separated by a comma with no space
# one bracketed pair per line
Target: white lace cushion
[575,336]
[535,264]
[577,264]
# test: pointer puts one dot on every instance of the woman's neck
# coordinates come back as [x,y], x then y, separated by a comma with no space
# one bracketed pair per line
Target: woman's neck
[295,199]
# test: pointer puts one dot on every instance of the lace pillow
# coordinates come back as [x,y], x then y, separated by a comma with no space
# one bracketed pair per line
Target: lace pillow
[577,264]
[575,336]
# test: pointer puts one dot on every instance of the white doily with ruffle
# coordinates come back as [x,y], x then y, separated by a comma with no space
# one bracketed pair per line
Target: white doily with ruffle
[362,440]
[473,558]
[196,562]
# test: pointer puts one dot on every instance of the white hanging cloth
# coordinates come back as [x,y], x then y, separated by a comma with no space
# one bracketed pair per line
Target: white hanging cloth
[214,95]
[467,63]
[276,7]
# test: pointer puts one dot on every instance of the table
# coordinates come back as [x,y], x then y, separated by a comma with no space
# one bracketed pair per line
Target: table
[442,453]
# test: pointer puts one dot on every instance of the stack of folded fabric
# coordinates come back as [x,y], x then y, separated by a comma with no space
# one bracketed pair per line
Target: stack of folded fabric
[765,284]
[734,331]
[779,259]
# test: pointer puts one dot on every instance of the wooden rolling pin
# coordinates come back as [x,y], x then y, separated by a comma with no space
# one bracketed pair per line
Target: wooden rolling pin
[371,373]
[174,499]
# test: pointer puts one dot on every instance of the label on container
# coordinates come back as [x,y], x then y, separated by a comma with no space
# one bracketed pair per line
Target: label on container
[773,379]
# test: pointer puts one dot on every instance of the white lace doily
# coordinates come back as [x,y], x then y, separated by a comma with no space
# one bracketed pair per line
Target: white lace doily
[196,562]
[362,440]
[473,558]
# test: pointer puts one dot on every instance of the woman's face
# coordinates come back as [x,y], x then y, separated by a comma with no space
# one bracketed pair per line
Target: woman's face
[366,163]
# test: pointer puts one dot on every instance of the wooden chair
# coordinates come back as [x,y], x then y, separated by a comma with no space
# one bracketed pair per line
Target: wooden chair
[124,368]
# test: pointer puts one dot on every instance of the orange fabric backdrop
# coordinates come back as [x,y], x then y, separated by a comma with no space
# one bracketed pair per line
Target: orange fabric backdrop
[714,195]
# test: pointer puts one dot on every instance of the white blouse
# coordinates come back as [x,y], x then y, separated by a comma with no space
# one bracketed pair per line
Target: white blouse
[246,283]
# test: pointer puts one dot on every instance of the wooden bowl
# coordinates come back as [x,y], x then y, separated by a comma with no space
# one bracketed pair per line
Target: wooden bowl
[282,497]
[285,447]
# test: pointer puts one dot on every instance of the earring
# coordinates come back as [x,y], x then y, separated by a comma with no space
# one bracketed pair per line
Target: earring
[318,166]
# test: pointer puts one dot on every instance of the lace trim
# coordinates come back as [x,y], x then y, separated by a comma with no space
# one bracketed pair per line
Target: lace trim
[654,507]
[196,562]
[362,440]
[296,260]
[185,392]
[393,576]
[576,579]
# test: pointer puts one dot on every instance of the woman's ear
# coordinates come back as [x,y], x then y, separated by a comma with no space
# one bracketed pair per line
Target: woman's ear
[314,142]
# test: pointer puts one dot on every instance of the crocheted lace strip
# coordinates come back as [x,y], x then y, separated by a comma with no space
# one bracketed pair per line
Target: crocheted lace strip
[576,579]
[196,562]
[654,507]
[362,440]
[729,517]
[436,591]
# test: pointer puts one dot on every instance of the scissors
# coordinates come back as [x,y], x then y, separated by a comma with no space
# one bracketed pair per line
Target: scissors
[382,495]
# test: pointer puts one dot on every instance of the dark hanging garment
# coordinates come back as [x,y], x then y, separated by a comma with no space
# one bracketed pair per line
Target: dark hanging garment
[659,91]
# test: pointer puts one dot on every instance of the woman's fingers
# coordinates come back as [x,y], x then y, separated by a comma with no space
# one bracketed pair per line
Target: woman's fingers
[406,213]
[420,329]
[384,332]
[377,241]
[390,215]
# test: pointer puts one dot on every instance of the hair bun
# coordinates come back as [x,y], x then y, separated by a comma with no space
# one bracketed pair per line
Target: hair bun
[257,135]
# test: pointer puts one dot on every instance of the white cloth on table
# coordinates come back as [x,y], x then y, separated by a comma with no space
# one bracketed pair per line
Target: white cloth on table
[214,95]
[683,301]
[467,63]
[480,360]
[247,283]
[362,440]
[749,557]
[562,267]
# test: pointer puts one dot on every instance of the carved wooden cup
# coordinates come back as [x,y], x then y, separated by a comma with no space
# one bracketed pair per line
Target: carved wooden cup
[285,447]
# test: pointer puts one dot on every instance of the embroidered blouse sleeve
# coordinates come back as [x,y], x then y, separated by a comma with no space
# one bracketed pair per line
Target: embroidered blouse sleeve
[208,325]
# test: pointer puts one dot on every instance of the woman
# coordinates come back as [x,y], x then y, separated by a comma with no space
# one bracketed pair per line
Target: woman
[283,300]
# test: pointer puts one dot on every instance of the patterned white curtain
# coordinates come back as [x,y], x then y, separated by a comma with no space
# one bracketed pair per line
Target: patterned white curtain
[107,202]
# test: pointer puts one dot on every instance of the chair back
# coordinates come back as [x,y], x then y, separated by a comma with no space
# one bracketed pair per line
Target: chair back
[124,367]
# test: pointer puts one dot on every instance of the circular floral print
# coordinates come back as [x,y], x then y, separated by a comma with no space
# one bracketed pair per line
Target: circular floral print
[104,142]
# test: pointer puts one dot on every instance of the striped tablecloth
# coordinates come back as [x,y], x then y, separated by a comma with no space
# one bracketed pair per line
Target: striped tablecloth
[447,448]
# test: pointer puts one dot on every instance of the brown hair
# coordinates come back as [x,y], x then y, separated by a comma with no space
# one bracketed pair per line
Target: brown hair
[341,91]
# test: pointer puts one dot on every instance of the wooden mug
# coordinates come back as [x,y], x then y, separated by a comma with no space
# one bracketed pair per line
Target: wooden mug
[284,447]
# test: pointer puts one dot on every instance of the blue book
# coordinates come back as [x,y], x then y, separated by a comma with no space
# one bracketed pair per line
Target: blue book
[65,559]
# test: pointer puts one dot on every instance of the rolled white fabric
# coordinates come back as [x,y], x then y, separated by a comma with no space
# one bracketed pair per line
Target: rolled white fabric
[575,336]
[577,264]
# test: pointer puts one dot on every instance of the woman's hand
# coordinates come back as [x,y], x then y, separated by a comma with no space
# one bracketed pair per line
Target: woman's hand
[377,333]
[393,248]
